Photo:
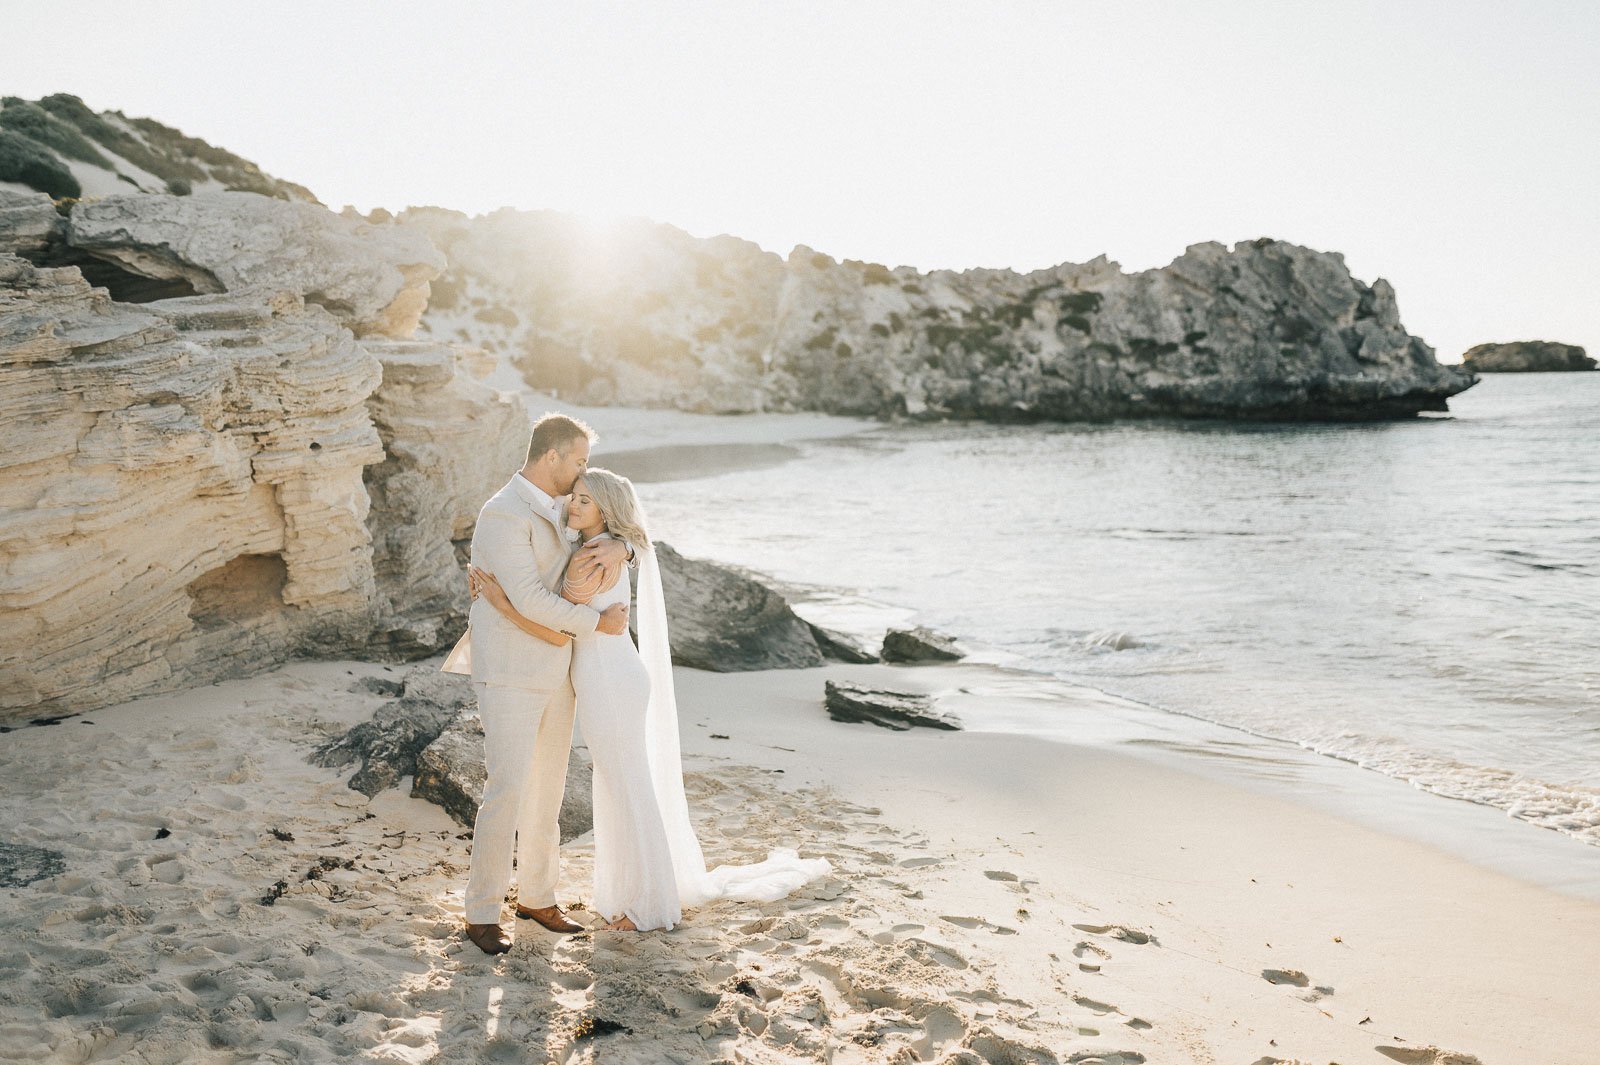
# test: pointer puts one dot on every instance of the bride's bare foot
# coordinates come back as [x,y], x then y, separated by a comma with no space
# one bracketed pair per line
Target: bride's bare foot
[621,924]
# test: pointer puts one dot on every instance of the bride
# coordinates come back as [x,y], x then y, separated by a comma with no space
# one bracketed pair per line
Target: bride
[648,864]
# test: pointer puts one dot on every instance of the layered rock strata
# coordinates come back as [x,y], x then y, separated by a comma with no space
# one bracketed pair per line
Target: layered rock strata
[180,487]
[197,487]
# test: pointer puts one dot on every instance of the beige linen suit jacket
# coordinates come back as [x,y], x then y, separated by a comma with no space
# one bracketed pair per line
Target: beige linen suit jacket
[527,550]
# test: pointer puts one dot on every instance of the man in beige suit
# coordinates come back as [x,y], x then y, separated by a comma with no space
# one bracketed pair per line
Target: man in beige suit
[525,695]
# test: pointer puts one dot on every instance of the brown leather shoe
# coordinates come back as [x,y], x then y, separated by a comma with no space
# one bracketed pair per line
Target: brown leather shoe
[491,938]
[549,916]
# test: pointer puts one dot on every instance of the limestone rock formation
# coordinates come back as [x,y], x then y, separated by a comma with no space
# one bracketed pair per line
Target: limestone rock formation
[374,278]
[449,444]
[1527,356]
[886,709]
[180,487]
[197,487]
[29,223]
[722,620]
[646,314]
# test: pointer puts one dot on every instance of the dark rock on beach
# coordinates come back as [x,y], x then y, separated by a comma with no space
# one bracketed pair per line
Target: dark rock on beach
[919,645]
[387,746]
[1527,356]
[722,620]
[839,647]
[450,774]
[888,709]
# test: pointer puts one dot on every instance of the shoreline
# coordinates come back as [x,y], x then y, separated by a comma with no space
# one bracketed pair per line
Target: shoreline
[1389,801]
[1024,900]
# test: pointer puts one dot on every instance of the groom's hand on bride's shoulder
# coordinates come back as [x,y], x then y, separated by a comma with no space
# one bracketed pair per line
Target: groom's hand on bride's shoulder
[614,619]
[607,553]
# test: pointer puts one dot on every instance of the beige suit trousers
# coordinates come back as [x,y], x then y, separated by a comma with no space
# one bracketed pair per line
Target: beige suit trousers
[527,738]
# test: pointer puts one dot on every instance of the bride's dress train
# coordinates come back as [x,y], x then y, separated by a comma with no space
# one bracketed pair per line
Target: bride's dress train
[648,864]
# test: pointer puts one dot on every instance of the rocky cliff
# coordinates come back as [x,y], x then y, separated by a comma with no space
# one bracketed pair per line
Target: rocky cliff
[197,486]
[1526,356]
[646,314]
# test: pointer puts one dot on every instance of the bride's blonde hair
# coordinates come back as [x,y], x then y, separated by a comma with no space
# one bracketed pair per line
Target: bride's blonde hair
[619,505]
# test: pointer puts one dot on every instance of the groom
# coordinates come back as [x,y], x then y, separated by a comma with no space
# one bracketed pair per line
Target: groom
[525,695]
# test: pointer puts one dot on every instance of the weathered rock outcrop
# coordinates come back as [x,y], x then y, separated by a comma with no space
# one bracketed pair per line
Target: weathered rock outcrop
[373,277]
[180,487]
[387,745]
[1526,356]
[722,620]
[900,711]
[187,484]
[449,444]
[29,223]
[646,314]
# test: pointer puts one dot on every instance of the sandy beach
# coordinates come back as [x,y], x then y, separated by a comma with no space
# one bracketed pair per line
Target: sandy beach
[996,898]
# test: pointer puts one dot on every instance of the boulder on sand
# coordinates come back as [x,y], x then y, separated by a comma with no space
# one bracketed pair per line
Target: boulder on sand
[724,621]
[889,709]
[919,645]
[387,746]
[839,647]
[451,775]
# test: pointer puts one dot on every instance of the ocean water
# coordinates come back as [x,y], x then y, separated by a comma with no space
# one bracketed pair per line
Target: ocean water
[1421,598]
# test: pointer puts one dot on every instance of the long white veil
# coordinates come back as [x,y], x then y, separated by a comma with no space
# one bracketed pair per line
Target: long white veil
[783,870]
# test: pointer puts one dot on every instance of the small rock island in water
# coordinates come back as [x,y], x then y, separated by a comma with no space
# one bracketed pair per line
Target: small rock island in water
[1526,356]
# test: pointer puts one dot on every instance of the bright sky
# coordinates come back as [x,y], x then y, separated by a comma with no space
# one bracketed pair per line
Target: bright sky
[1451,147]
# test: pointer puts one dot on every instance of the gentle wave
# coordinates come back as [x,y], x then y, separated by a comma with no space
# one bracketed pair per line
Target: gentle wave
[1416,598]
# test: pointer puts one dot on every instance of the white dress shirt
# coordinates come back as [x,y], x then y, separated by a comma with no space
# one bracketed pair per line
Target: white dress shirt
[542,496]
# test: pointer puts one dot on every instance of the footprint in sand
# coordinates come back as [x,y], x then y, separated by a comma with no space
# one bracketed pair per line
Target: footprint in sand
[1118,931]
[918,863]
[1087,948]
[1428,1055]
[1102,1008]
[978,922]
[1295,978]
[1000,874]
[937,952]
[964,922]
[893,934]
[1292,977]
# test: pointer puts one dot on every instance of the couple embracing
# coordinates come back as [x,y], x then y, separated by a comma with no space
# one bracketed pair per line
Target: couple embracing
[552,559]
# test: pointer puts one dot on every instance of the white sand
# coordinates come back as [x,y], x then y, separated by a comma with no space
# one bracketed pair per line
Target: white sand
[997,899]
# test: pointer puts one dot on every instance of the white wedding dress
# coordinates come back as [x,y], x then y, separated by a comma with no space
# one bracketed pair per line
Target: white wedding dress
[648,863]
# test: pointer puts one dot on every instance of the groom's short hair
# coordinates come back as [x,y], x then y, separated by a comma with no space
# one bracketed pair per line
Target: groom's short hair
[557,432]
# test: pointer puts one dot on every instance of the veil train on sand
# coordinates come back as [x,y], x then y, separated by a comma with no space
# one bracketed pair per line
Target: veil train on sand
[783,870]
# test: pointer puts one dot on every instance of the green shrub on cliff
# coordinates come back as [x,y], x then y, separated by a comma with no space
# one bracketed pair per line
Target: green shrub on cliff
[73,111]
[29,163]
[40,126]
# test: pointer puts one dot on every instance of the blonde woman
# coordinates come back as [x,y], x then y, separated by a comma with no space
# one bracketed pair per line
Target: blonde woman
[648,864]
